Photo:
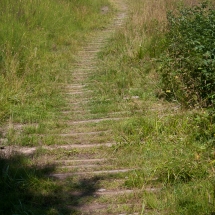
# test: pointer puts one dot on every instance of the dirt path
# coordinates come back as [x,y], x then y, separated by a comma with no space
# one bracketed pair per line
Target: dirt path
[89,136]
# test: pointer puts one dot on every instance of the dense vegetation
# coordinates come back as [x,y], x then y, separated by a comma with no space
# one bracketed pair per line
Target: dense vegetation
[188,66]
[158,56]
[38,41]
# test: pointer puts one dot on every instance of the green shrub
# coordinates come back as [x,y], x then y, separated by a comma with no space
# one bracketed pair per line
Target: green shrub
[188,66]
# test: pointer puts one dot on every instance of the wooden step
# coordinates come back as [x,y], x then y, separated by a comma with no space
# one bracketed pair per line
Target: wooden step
[67,175]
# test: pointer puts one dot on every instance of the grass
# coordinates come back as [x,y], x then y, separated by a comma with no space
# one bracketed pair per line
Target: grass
[30,191]
[172,148]
[37,51]
[39,42]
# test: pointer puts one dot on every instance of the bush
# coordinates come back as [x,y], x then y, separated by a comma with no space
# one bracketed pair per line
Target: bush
[188,66]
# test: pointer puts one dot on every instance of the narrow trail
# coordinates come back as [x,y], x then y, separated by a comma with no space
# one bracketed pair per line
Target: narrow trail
[93,182]
[89,136]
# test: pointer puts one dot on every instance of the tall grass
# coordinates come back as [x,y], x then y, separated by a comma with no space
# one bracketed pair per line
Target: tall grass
[38,41]
[172,148]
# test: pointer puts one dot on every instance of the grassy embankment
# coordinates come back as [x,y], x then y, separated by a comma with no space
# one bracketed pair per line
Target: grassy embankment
[171,143]
[172,147]
[39,41]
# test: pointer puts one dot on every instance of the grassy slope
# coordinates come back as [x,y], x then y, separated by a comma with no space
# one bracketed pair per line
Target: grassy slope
[171,147]
[168,145]
[38,42]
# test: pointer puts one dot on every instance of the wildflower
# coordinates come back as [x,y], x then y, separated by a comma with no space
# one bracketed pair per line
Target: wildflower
[168,91]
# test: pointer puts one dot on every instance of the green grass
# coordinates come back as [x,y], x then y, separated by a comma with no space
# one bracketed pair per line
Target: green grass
[171,147]
[39,41]
[26,189]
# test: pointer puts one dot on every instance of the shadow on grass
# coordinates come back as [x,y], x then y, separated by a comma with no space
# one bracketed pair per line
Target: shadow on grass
[25,188]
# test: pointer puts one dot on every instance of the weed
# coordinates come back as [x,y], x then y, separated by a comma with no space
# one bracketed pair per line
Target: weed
[188,66]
